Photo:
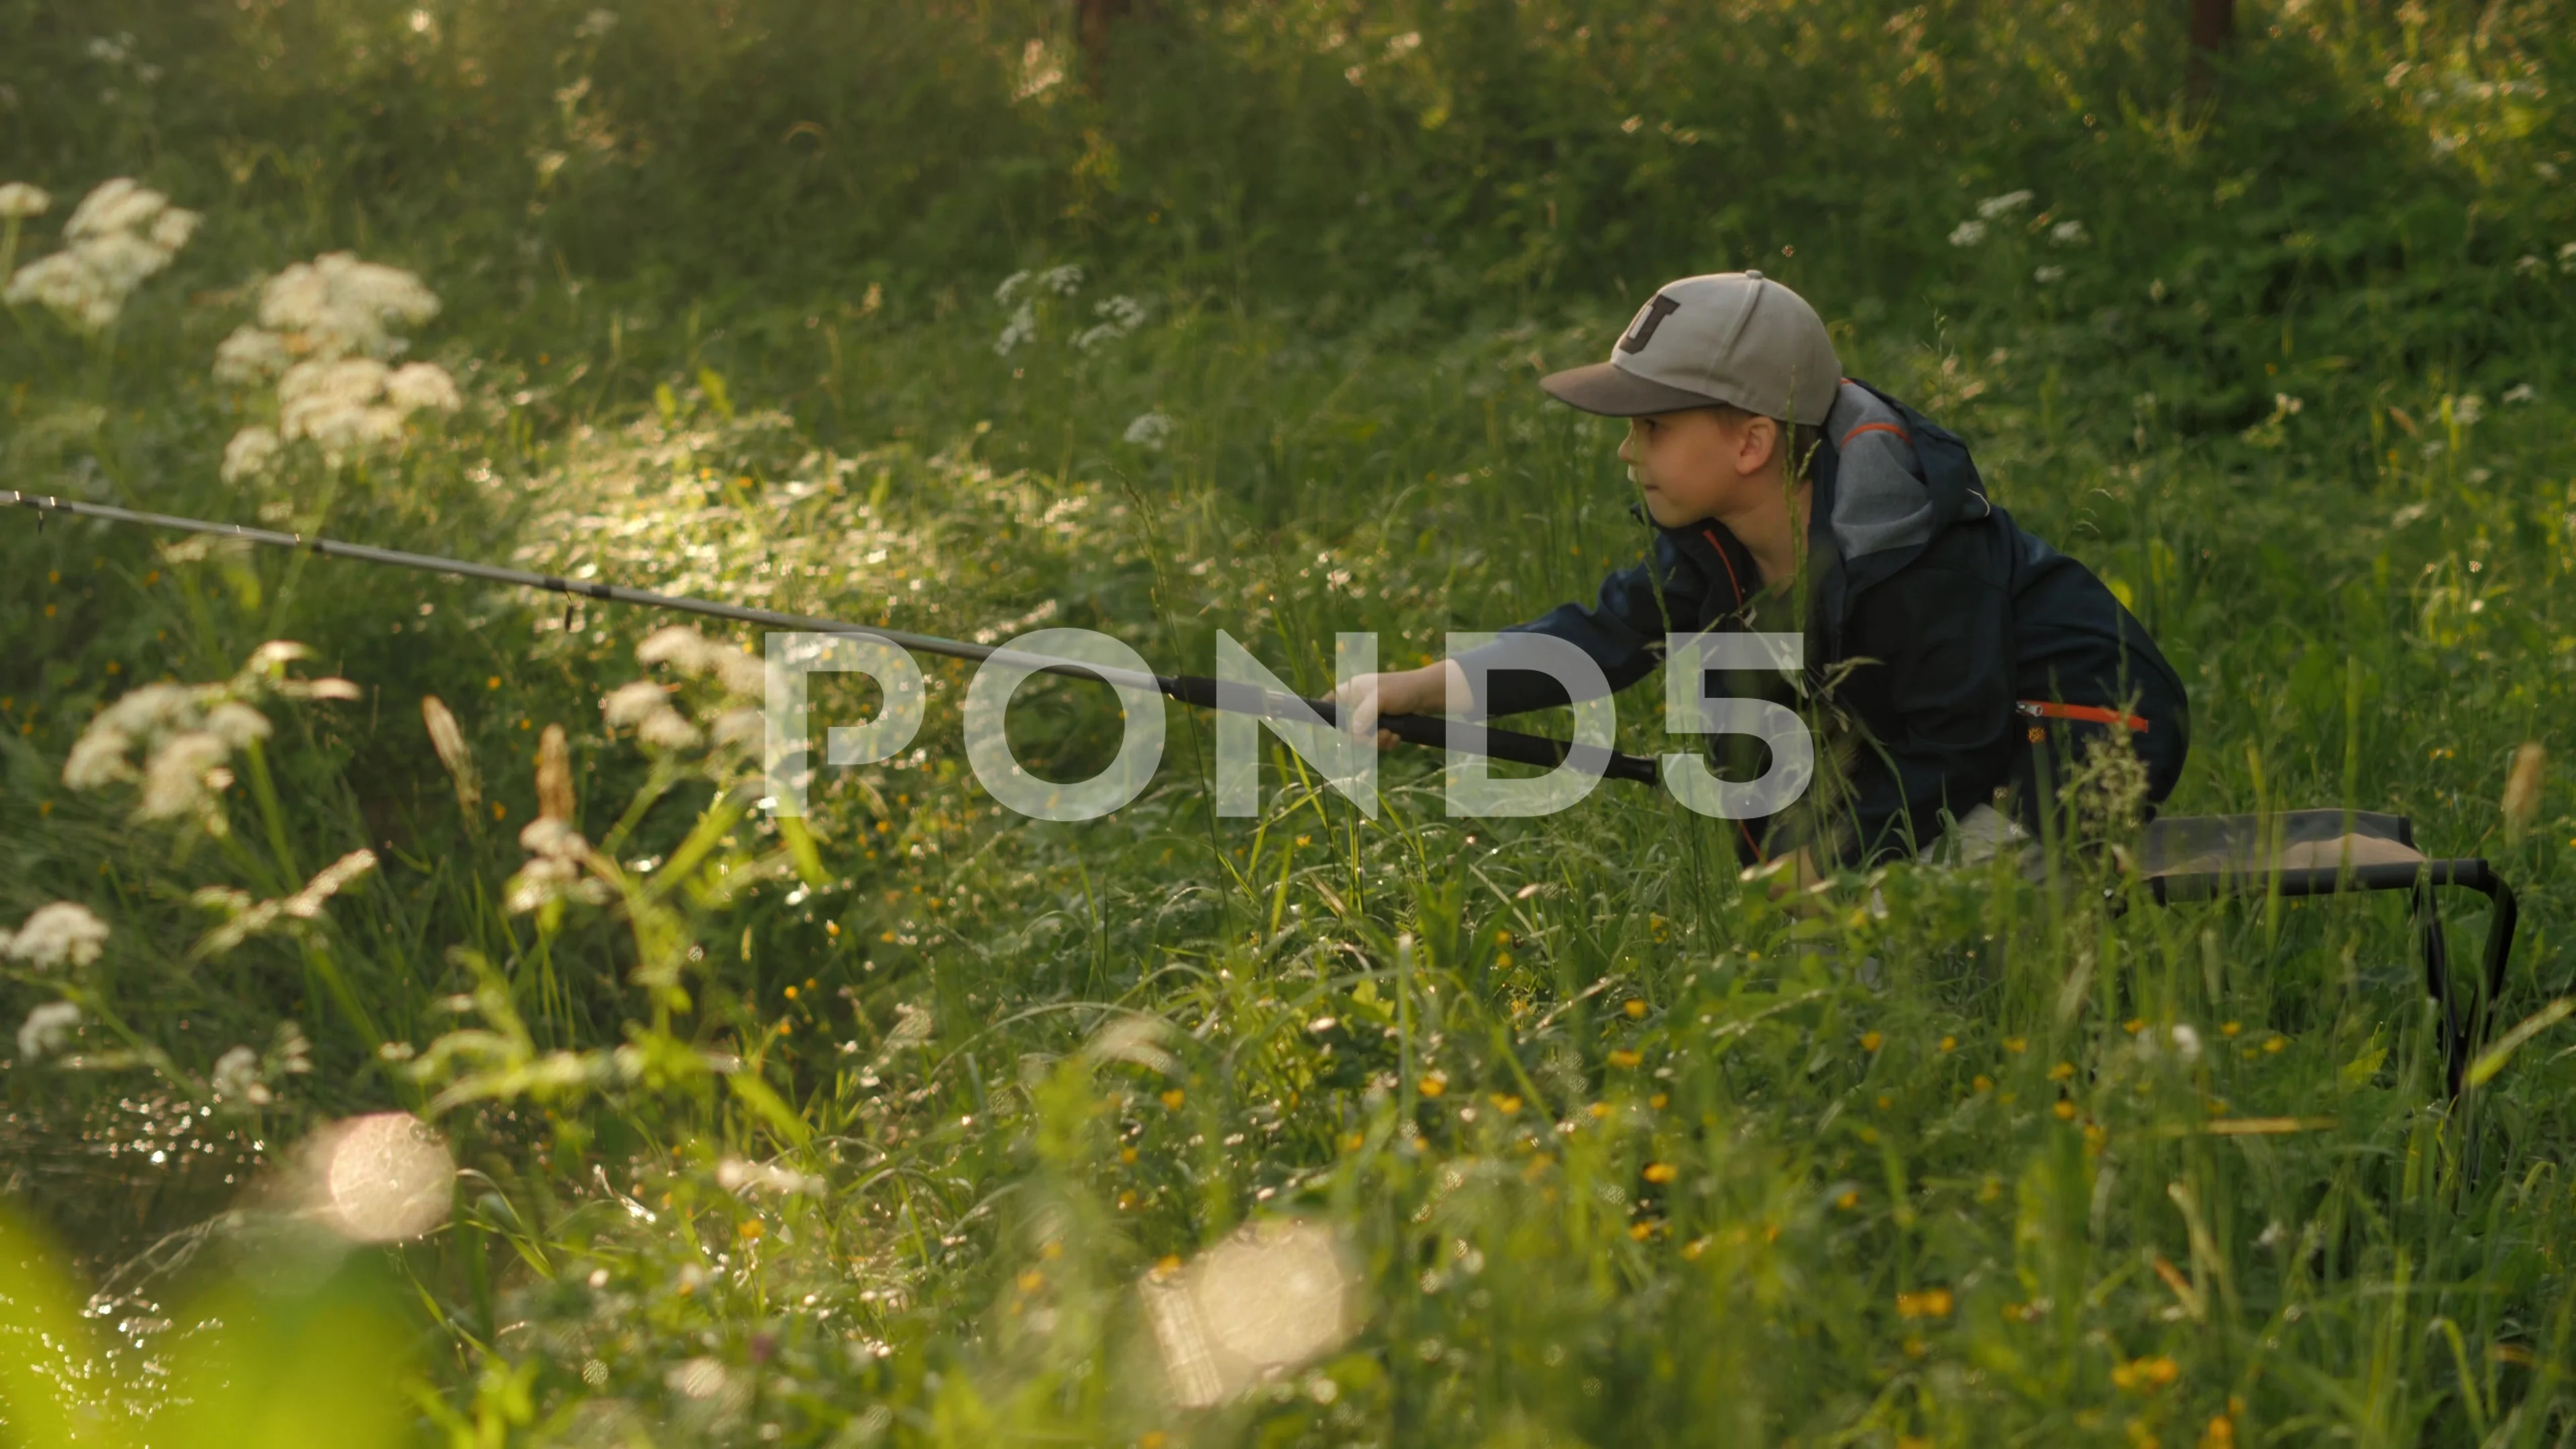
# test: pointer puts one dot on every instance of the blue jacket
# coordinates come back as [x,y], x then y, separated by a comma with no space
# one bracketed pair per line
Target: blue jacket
[1930,614]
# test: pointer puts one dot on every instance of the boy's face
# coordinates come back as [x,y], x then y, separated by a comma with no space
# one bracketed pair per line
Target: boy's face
[1695,465]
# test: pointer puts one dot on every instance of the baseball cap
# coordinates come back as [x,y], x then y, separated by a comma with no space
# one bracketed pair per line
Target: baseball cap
[1728,337]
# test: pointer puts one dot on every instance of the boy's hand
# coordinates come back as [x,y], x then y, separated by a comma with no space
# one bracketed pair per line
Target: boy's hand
[1432,689]
[1791,880]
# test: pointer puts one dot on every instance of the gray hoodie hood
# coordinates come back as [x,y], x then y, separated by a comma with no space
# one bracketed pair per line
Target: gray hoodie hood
[1880,500]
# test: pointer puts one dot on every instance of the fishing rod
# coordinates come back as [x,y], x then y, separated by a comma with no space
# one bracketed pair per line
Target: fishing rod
[1206,693]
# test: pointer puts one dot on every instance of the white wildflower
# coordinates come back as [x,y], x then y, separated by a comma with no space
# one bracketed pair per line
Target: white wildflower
[119,205]
[1021,328]
[666,729]
[337,306]
[2004,205]
[1126,313]
[339,404]
[417,385]
[2520,392]
[2046,275]
[275,655]
[296,298]
[1967,233]
[2186,1042]
[739,729]
[1149,430]
[325,385]
[122,233]
[1064,281]
[741,674]
[1040,69]
[98,758]
[251,355]
[1010,287]
[679,646]
[45,1030]
[699,657]
[556,852]
[539,881]
[64,933]
[121,260]
[141,716]
[596,24]
[1119,317]
[238,725]
[2527,265]
[237,1079]
[647,707]
[172,230]
[2069,234]
[631,704]
[183,775]
[389,293]
[251,452]
[553,839]
[2468,410]
[66,287]
[18,201]
[152,708]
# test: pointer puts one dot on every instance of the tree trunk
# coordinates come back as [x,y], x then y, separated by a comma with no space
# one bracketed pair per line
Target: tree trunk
[2213,29]
[1091,22]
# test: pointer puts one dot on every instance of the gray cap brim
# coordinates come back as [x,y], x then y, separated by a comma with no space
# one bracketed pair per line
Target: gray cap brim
[1611,391]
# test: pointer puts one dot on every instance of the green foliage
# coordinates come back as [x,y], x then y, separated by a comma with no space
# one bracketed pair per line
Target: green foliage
[924,1123]
[282,1363]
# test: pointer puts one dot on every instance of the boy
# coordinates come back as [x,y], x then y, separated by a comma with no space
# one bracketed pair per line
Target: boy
[1959,660]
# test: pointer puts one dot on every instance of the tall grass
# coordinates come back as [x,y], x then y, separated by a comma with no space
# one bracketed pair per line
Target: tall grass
[874,1136]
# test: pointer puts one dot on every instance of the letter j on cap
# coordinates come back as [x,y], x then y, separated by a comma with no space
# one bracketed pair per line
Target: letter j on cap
[1647,321]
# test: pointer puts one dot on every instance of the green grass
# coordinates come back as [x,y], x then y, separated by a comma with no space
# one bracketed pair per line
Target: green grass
[1617,1151]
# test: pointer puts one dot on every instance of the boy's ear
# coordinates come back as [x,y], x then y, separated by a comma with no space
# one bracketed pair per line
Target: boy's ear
[1757,441]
